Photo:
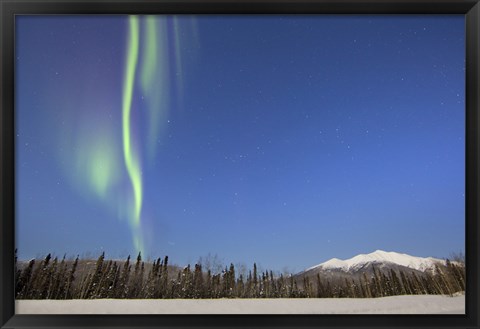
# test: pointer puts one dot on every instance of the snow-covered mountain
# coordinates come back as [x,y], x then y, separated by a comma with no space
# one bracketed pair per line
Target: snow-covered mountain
[378,258]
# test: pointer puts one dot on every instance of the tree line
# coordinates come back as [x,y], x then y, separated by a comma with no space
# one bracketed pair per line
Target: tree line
[65,279]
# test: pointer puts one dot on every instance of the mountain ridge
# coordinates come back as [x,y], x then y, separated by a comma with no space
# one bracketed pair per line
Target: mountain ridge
[378,257]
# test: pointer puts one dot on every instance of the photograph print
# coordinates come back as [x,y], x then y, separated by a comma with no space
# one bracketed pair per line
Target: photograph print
[310,164]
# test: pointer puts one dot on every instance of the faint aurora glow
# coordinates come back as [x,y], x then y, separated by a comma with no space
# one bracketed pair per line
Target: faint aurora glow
[155,85]
[178,54]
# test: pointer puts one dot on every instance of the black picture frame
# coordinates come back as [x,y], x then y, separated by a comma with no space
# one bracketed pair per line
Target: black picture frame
[11,8]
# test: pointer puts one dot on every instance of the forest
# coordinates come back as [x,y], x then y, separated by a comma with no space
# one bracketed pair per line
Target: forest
[56,278]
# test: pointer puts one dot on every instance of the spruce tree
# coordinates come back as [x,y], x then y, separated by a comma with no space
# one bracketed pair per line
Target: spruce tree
[255,281]
[320,288]
[25,281]
[366,285]
[69,281]
[58,284]
[122,290]
[92,291]
[407,287]
[112,281]
[135,280]
[198,284]
[47,280]
[164,279]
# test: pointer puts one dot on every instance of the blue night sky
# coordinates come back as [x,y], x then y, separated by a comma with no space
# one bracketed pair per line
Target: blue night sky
[281,140]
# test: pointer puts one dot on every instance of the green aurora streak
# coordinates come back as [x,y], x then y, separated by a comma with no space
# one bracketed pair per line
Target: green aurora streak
[131,157]
[91,145]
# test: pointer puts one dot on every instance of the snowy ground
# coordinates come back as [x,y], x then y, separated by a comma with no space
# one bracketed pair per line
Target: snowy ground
[420,304]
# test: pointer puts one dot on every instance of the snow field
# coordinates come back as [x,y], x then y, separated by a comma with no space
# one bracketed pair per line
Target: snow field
[418,304]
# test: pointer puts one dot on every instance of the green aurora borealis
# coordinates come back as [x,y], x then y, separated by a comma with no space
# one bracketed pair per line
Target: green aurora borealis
[108,166]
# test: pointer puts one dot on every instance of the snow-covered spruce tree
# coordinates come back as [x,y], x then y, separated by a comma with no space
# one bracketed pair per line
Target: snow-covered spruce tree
[186,283]
[263,286]
[249,293]
[444,281]
[240,287]
[307,287]
[47,278]
[217,286]
[164,291]
[18,273]
[377,283]
[152,279]
[136,279]
[122,287]
[25,281]
[176,288]
[407,287]
[386,285]
[111,281]
[367,285]
[209,285]
[456,275]
[361,288]
[225,279]
[396,286]
[355,290]
[256,291]
[142,278]
[198,282]
[84,286]
[320,287]
[57,286]
[92,290]
[37,279]
[273,284]
[428,284]
[294,293]
[69,293]
[228,279]
[329,290]
[102,288]
[156,283]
